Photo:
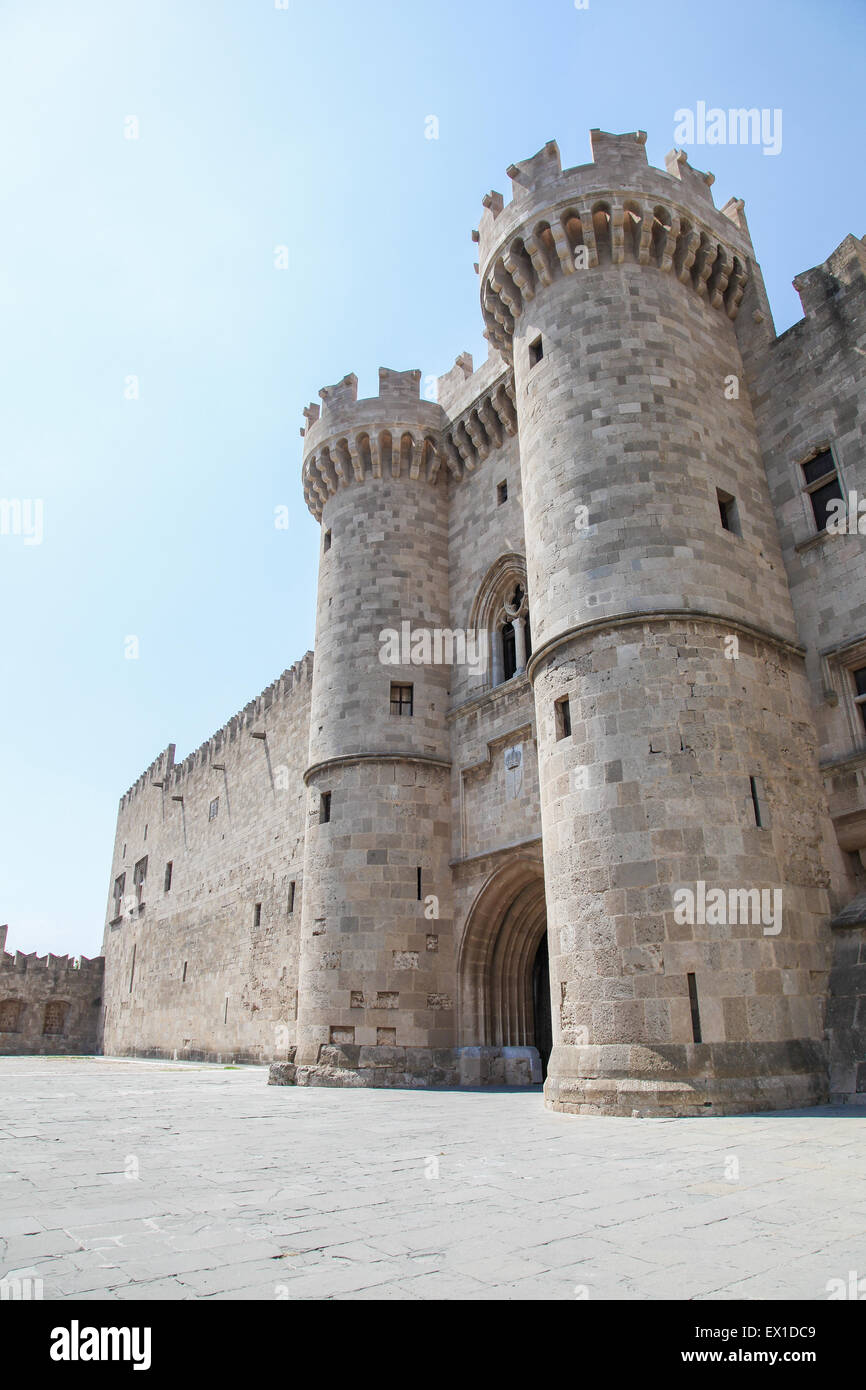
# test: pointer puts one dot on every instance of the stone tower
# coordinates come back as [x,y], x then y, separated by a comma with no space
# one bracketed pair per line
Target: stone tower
[676,747]
[373,968]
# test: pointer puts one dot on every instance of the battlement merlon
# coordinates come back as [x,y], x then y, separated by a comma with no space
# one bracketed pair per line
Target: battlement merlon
[23,961]
[171,773]
[841,270]
[616,209]
[619,164]
[158,771]
[395,434]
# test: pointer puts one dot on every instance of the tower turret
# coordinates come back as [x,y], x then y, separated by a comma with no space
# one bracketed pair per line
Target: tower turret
[376,951]
[675,748]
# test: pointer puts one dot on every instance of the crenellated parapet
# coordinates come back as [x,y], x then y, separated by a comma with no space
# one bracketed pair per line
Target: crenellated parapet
[481,427]
[164,773]
[348,442]
[617,209]
[22,962]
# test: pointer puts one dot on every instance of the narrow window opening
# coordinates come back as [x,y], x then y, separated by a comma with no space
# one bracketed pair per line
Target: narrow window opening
[418,871]
[145,832]
[562,710]
[729,512]
[139,878]
[693,1004]
[119,888]
[183,976]
[860,697]
[756,803]
[123,856]
[168,872]
[325,808]
[536,352]
[501,493]
[291,906]
[226,1011]
[132,969]
[509,651]
[257,915]
[402,698]
[326,541]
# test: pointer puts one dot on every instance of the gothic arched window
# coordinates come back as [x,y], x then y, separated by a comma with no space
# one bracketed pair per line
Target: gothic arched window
[501,612]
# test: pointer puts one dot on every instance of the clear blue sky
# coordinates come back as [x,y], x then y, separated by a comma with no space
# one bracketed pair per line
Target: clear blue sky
[302,127]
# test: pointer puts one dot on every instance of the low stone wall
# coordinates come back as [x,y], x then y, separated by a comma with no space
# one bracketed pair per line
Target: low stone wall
[412,1067]
[49,1004]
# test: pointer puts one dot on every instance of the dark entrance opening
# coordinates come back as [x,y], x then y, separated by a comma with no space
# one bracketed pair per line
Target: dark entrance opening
[543,1027]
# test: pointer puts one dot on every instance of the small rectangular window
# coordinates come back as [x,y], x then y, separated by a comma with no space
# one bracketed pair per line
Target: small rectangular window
[117,894]
[10,1015]
[693,1004]
[326,541]
[418,872]
[257,915]
[291,906]
[562,711]
[501,493]
[401,698]
[860,687]
[167,883]
[729,512]
[213,809]
[536,352]
[139,878]
[55,1017]
[821,485]
[325,808]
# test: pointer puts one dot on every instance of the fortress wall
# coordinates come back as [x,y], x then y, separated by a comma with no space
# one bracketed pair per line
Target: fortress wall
[809,393]
[190,970]
[29,984]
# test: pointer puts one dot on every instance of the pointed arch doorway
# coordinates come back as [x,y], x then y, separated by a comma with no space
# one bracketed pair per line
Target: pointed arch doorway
[503,976]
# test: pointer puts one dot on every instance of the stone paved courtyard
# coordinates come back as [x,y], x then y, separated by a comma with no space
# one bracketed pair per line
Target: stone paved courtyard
[134,1179]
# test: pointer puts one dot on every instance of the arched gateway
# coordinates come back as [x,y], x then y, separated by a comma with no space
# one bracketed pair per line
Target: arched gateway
[503,982]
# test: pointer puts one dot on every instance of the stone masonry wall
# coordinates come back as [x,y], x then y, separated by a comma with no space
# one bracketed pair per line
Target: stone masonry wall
[809,393]
[49,1004]
[198,969]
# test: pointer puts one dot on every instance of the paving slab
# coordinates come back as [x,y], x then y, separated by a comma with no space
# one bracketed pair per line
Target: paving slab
[130,1179]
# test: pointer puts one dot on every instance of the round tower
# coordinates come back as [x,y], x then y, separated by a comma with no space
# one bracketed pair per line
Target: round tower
[675,749]
[376,953]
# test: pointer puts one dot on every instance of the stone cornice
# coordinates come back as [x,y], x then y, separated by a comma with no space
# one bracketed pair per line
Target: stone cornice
[345,759]
[637,619]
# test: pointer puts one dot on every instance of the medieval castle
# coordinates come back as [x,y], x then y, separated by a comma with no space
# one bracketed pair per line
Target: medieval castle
[575,788]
